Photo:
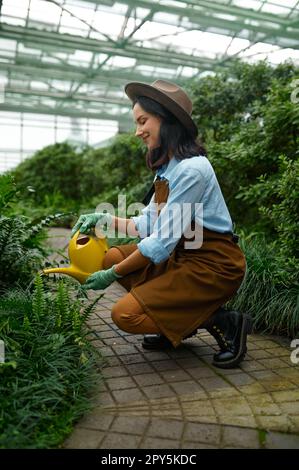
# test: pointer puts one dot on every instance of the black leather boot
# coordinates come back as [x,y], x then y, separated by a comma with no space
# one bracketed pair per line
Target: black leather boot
[230,329]
[158,341]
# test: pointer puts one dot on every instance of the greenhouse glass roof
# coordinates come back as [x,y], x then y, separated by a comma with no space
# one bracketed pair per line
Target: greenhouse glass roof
[72,58]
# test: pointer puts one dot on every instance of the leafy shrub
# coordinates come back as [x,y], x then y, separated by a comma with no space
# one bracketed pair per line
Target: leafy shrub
[269,292]
[21,240]
[249,121]
[49,371]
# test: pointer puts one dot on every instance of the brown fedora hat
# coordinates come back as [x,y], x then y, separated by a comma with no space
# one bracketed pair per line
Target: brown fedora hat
[171,96]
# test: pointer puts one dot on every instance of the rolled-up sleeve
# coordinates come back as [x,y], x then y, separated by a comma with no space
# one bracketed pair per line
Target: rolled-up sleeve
[144,222]
[186,191]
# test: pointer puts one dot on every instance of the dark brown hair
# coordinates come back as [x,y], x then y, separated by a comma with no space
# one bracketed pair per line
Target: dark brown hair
[174,137]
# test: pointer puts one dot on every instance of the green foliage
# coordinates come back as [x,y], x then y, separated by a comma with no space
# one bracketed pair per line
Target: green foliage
[221,102]
[251,128]
[53,169]
[49,368]
[21,240]
[268,293]
[8,192]
[124,171]
[279,204]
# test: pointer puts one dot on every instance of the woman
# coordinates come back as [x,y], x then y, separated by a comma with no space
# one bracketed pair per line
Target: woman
[175,285]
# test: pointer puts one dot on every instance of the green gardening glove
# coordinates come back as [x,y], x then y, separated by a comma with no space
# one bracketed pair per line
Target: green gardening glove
[88,221]
[101,279]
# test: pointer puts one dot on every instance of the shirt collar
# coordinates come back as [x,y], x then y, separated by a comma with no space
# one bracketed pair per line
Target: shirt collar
[165,169]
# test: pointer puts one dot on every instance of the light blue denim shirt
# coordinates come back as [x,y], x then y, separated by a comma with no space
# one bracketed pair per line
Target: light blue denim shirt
[192,181]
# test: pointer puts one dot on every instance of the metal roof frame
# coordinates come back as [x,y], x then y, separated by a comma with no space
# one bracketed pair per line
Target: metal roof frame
[42,76]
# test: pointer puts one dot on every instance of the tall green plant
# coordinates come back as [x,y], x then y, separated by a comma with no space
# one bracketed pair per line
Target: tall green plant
[21,240]
[50,366]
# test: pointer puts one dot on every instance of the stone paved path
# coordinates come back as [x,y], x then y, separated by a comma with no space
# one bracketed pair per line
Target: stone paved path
[176,399]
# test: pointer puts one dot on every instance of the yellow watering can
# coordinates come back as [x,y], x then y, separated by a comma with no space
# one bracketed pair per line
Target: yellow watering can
[86,255]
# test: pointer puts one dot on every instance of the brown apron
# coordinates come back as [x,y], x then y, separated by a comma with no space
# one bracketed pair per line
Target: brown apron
[179,294]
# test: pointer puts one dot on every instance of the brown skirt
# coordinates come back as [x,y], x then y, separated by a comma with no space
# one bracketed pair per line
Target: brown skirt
[181,293]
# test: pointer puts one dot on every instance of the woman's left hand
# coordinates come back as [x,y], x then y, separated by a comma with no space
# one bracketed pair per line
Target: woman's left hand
[101,279]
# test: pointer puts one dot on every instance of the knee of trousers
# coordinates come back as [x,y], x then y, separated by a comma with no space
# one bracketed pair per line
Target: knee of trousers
[124,320]
[113,256]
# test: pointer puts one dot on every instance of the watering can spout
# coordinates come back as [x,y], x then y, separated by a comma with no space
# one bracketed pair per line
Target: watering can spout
[80,276]
[86,256]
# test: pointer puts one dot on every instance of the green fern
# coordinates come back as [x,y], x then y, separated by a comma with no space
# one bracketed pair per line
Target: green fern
[34,228]
[90,308]
[62,304]
[26,323]
[39,306]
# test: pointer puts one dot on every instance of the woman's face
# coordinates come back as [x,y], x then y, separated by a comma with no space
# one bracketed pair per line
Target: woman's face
[147,127]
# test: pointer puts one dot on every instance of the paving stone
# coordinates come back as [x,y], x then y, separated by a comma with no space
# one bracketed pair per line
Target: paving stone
[242,421]
[180,353]
[166,428]
[251,365]
[116,371]
[120,383]
[97,419]
[115,341]
[200,372]
[197,410]
[175,375]
[148,379]
[186,387]
[113,361]
[104,399]
[107,351]
[97,343]
[240,379]
[272,363]
[152,443]
[277,440]
[278,384]
[130,424]
[237,437]
[230,392]
[158,391]
[286,395]
[236,407]
[137,369]
[197,445]
[154,356]
[290,408]
[251,389]
[124,349]
[274,423]
[128,395]
[210,384]
[120,441]
[295,423]
[132,359]
[288,372]
[165,365]
[203,350]
[188,362]
[280,352]
[259,354]
[268,409]
[204,433]
[82,438]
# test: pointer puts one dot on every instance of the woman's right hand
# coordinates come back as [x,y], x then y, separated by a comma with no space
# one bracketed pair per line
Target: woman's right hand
[88,221]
